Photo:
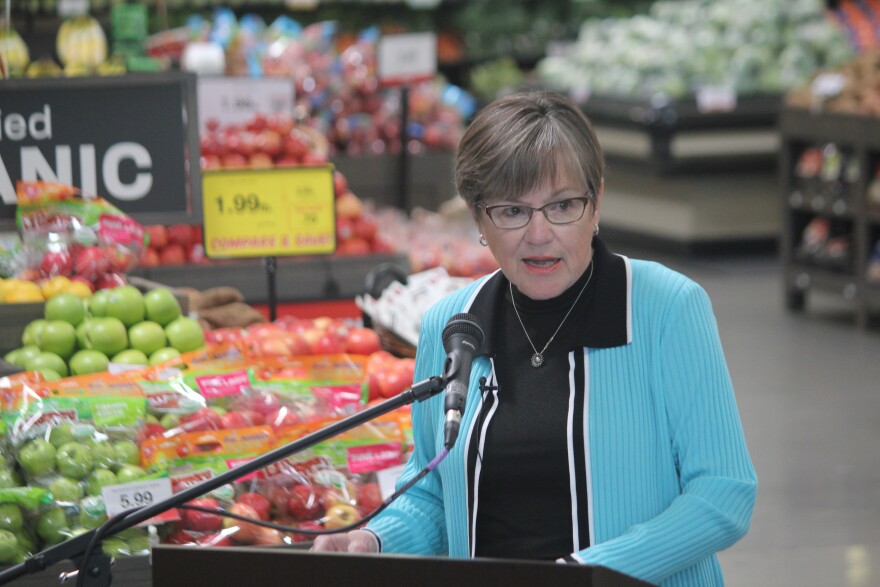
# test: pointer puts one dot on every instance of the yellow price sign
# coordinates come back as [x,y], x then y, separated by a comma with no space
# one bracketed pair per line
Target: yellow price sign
[269,212]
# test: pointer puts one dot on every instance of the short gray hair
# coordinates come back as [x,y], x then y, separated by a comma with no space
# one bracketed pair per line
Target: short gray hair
[516,143]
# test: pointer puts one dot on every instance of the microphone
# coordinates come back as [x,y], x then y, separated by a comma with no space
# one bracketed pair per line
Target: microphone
[462,339]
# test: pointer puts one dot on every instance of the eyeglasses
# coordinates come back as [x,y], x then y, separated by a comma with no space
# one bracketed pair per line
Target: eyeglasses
[508,216]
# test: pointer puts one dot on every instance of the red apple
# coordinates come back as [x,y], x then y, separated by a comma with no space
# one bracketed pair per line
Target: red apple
[353,246]
[304,503]
[201,420]
[340,183]
[172,254]
[264,403]
[232,420]
[260,160]
[282,418]
[202,521]
[280,122]
[158,235]
[369,497]
[327,344]
[260,504]
[181,234]
[365,227]
[392,382]
[180,537]
[348,205]
[150,258]
[246,533]
[362,341]
[91,263]
[233,160]
[344,229]
[109,281]
[57,263]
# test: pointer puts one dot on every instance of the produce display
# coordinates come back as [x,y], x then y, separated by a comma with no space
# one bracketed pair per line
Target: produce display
[68,243]
[195,415]
[751,47]
[851,88]
[119,326]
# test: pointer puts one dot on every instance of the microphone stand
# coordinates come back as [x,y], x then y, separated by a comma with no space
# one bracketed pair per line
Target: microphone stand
[96,570]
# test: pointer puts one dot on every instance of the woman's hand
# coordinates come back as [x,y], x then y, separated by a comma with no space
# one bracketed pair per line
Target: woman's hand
[354,541]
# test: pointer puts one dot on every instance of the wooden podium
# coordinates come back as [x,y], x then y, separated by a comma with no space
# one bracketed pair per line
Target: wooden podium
[181,566]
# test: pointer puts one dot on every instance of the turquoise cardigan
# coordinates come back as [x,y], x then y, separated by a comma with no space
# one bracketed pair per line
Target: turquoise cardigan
[669,478]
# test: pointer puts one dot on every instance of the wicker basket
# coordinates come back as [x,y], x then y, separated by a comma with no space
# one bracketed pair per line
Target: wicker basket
[392,343]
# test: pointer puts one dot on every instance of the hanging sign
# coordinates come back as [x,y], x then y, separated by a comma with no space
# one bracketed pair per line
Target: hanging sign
[407,58]
[269,212]
[235,100]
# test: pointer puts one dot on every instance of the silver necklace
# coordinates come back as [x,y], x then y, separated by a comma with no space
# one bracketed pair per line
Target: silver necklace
[538,358]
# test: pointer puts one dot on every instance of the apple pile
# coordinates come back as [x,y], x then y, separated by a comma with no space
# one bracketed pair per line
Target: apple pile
[262,142]
[74,462]
[308,496]
[94,266]
[119,325]
[176,244]
[357,232]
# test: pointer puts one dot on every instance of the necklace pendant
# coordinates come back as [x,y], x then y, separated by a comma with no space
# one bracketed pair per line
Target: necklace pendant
[537,360]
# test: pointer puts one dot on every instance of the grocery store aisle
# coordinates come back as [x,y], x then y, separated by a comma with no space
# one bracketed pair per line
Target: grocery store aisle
[808,388]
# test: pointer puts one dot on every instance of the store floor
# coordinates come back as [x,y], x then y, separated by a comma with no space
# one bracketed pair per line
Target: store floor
[808,389]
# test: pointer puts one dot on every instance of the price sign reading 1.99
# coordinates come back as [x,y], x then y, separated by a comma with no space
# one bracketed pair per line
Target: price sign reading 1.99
[269,212]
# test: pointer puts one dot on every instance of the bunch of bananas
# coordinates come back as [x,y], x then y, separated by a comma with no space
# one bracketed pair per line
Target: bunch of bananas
[81,43]
[13,52]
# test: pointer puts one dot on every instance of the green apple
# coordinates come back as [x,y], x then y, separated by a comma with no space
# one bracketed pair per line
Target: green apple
[129,473]
[37,457]
[161,306]
[46,360]
[9,549]
[74,459]
[98,303]
[19,356]
[29,335]
[66,490]
[81,333]
[97,479]
[103,454]
[61,434]
[49,374]
[67,307]
[92,511]
[9,478]
[88,361]
[164,354]
[127,453]
[139,544]
[10,517]
[26,542]
[147,337]
[57,336]
[185,334]
[115,547]
[151,419]
[170,421]
[126,303]
[107,335]
[130,357]
[52,525]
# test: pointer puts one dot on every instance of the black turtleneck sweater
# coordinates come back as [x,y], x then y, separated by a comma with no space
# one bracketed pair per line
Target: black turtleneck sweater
[525,491]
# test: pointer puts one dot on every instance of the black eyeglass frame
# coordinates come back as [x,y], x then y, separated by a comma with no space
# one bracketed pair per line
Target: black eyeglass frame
[542,210]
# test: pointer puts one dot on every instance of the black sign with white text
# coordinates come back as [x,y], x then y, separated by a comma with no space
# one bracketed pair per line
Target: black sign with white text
[123,139]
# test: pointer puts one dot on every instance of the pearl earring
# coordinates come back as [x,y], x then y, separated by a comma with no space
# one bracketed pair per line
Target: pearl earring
[483,240]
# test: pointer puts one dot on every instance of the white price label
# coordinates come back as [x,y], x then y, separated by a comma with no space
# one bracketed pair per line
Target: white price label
[828,85]
[70,8]
[118,498]
[387,478]
[716,99]
[407,58]
[235,100]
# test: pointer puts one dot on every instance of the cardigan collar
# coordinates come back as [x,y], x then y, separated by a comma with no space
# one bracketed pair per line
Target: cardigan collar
[608,319]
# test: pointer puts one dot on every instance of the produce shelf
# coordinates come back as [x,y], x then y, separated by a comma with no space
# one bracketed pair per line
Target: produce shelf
[298,279]
[673,136]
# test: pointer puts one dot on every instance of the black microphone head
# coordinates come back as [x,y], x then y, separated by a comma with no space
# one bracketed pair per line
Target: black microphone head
[465,325]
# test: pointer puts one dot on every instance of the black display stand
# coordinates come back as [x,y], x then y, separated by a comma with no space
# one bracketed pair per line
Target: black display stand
[180,566]
[847,208]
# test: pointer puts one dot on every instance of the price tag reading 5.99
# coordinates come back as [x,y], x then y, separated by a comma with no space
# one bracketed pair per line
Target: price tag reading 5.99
[118,498]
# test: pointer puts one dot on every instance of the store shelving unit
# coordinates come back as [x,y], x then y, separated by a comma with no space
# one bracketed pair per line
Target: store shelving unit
[687,179]
[843,204]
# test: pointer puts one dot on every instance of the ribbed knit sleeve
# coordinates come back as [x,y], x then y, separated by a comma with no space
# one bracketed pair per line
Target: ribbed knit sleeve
[717,483]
